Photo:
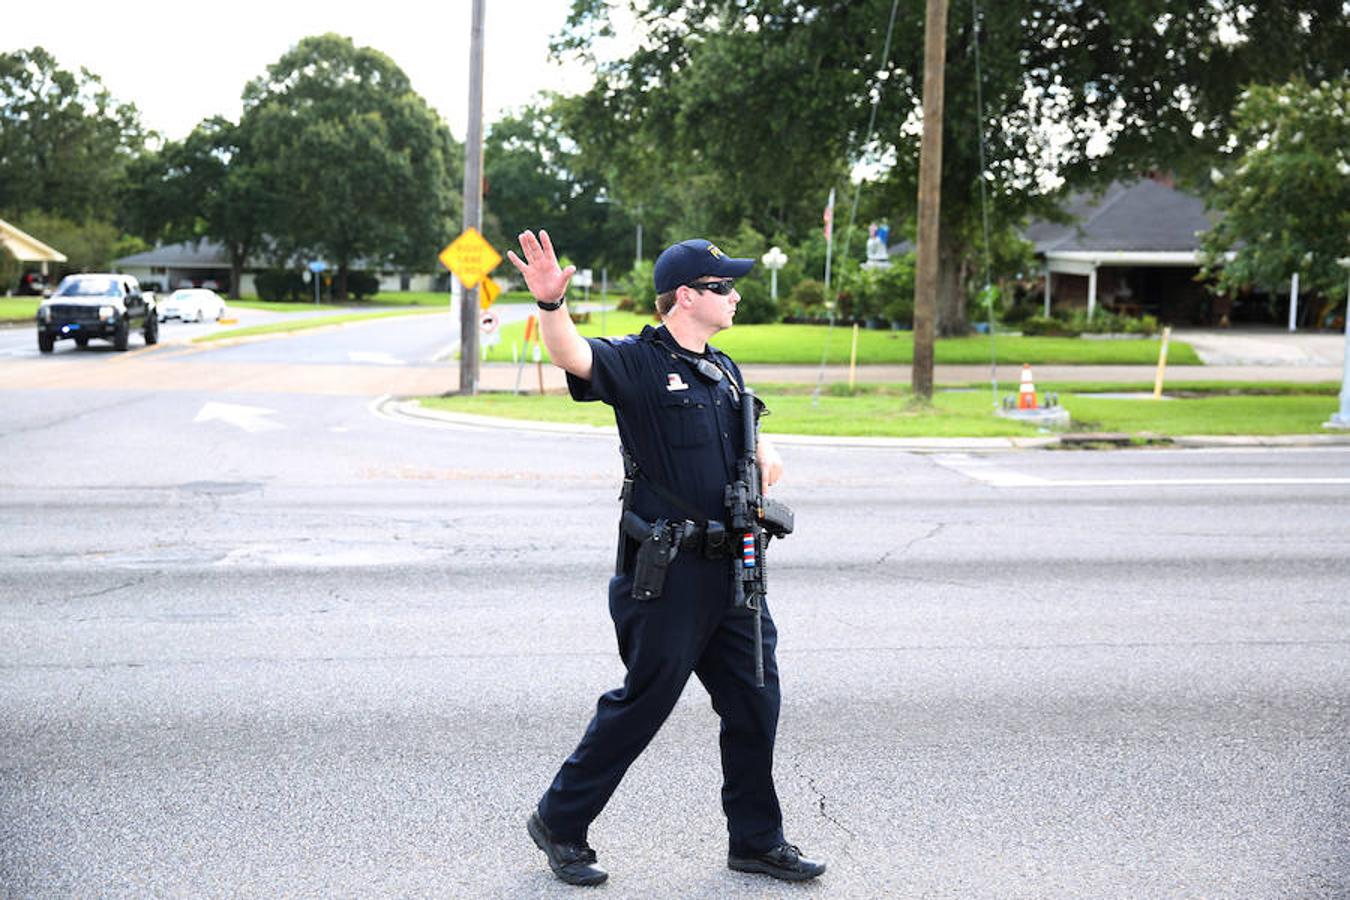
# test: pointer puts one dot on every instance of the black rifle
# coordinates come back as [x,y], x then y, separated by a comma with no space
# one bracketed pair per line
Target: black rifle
[754,519]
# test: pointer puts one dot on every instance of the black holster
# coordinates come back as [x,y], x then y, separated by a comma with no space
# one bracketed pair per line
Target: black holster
[657,544]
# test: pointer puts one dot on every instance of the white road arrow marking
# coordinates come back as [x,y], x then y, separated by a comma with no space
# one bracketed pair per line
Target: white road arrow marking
[379,359]
[249,418]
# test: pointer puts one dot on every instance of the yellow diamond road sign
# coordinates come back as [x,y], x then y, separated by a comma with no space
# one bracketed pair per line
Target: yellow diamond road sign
[487,291]
[470,257]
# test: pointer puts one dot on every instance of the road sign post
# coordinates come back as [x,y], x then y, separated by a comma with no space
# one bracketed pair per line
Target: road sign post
[316,267]
[470,257]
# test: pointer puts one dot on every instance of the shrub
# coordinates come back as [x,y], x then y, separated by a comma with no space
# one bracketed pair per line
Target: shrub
[756,306]
[1017,313]
[879,296]
[362,284]
[807,300]
[279,284]
[637,286]
[1048,326]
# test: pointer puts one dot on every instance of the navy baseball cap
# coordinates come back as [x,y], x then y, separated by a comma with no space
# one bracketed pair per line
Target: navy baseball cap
[689,260]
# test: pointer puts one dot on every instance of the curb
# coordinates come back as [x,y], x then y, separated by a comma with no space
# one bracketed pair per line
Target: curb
[409,411]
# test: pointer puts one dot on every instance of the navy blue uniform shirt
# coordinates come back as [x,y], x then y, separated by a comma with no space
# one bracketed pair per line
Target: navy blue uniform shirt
[683,431]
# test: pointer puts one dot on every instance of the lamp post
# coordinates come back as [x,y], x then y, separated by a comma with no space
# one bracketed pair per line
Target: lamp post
[774,260]
[1341,418]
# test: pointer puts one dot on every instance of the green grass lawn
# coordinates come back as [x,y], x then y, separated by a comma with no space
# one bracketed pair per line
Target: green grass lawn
[804,344]
[305,324]
[18,309]
[890,411]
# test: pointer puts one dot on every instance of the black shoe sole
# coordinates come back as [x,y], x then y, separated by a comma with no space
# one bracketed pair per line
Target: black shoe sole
[535,827]
[755,867]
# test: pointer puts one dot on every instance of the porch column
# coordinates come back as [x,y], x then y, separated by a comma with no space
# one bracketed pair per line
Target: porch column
[1049,276]
[1092,291]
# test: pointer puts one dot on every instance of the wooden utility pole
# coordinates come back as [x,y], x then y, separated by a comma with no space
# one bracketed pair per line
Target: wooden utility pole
[473,202]
[930,198]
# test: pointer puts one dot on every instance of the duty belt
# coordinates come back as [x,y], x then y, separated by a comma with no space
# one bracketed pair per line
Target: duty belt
[708,538]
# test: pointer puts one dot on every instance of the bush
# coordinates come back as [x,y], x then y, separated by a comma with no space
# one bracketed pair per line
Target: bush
[637,286]
[879,296]
[756,306]
[807,300]
[362,284]
[280,284]
[1018,313]
[1106,322]
[1048,326]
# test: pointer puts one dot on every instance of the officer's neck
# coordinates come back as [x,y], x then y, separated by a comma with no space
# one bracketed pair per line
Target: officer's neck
[692,336]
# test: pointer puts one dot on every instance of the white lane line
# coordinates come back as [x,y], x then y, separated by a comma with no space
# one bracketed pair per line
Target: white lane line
[986,471]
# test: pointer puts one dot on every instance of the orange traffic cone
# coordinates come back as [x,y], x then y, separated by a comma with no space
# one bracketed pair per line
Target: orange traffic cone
[1026,394]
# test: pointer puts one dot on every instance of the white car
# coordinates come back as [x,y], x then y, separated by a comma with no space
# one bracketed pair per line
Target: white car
[192,305]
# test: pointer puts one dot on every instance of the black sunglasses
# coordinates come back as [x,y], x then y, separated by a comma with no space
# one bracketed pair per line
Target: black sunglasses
[722,287]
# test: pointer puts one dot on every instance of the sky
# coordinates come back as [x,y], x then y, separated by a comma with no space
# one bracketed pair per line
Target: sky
[181,63]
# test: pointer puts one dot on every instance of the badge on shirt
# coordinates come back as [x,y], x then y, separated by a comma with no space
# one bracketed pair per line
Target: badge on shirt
[675,383]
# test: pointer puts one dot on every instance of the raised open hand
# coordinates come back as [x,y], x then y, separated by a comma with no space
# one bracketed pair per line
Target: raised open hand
[546,281]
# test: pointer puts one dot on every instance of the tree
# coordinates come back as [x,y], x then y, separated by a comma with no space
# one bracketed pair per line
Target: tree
[536,179]
[64,141]
[210,185]
[357,167]
[1284,201]
[88,246]
[753,109]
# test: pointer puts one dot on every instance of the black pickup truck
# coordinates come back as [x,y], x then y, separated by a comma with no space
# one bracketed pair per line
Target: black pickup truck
[105,306]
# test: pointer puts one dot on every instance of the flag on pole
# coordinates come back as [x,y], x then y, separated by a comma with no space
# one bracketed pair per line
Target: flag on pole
[829,216]
[529,329]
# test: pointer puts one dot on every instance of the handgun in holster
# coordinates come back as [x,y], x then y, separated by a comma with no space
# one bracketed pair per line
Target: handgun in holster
[657,544]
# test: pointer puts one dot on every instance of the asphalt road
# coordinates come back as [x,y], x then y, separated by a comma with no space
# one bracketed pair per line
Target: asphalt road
[273,643]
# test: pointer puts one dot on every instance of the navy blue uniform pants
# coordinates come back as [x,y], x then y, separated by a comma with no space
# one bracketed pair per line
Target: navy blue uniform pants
[691,629]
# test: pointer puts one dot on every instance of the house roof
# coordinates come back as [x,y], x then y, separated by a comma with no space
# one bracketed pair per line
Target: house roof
[1145,216]
[208,254]
[26,248]
[202,254]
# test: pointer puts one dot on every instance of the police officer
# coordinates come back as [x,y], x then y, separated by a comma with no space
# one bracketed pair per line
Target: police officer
[676,402]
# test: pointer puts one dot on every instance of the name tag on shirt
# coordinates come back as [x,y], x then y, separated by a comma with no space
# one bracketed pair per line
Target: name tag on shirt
[675,383]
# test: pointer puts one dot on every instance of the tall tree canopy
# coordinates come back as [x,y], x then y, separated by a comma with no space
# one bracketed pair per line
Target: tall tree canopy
[211,185]
[64,141]
[751,110]
[1284,202]
[536,178]
[357,166]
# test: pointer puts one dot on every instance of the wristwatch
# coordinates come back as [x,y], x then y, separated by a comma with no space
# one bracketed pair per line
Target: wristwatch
[551,306]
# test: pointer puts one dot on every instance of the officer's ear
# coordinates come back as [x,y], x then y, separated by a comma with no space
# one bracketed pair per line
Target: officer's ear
[686,296]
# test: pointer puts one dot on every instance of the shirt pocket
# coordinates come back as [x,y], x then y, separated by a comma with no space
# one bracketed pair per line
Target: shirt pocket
[685,421]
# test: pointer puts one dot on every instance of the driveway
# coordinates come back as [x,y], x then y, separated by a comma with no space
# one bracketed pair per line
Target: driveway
[1264,347]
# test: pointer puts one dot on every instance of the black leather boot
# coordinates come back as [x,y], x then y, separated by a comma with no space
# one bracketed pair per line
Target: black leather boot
[573,863]
[784,861]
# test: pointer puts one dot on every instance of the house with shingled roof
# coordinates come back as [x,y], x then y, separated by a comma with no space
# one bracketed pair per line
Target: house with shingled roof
[206,263]
[1132,250]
